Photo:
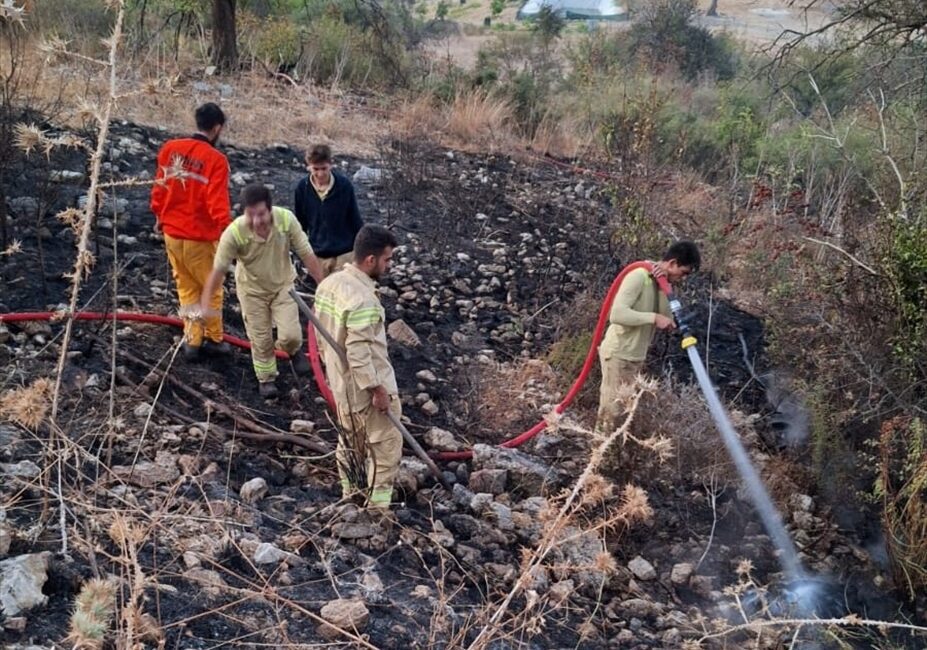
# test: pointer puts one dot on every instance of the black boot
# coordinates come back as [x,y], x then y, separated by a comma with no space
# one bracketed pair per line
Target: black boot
[192,353]
[267,389]
[300,364]
[216,348]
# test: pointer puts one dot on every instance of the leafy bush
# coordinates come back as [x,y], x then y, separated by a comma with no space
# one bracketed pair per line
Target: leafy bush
[275,42]
[664,34]
[905,261]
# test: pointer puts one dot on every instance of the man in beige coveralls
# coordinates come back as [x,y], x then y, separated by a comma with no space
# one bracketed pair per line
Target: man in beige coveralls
[261,241]
[365,390]
[639,309]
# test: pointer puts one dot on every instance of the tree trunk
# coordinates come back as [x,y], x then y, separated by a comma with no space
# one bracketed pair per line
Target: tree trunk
[224,40]
[712,9]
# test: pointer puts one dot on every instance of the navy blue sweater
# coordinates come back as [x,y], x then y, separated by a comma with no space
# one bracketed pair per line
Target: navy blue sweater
[333,223]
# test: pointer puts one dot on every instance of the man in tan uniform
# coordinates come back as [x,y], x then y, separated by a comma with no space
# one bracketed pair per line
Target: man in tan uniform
[365,390]
[639,309]
[261,241]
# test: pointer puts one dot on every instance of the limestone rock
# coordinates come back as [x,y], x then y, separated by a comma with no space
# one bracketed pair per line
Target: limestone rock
[642,569]
[347,614]
[400,332]
[441,440]
[491,481]
[21,582]
[254,490]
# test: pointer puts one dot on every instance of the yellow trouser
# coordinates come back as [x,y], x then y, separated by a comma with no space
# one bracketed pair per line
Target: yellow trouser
[383,442]
[332,264]
[262,311]
[615,373]
[191,264]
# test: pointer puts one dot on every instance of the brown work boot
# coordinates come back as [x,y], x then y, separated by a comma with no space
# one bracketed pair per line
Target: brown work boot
[267,389]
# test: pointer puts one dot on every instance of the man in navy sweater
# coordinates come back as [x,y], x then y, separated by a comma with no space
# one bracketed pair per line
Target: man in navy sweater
[326,208]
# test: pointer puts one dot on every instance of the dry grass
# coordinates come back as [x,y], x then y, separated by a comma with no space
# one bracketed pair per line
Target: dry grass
[474,121]
[563,138]
[261,110]
[476,118]
[902,485]
[529,383]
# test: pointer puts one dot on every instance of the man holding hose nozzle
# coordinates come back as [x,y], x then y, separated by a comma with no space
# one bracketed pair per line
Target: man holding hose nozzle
[639,309]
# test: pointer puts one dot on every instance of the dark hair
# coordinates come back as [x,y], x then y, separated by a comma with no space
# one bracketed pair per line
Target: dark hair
[319,153]
[685,253]
[208,116]
[372,240]
[256,193]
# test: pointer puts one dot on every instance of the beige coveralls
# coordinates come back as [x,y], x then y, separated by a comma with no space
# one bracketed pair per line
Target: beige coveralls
[264,276]
[347,306]
[334,264]
[624,348]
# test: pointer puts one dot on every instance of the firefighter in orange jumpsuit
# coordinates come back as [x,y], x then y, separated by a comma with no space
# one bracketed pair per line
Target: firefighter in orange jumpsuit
[190,199]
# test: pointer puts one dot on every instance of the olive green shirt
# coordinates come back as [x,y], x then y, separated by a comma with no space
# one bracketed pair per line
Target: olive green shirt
[264,265]
[632,316]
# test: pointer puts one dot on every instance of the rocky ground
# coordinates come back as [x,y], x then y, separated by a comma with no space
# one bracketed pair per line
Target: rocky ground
[224,536]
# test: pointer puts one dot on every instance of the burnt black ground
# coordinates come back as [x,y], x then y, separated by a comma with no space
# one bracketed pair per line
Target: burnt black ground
[433,201]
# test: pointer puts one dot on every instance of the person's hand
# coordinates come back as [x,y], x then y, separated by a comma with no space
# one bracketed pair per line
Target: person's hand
[658,272]
[663,323]
[380,399]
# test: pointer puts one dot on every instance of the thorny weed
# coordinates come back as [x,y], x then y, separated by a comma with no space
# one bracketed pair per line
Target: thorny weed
[92,618]
[27,406]
[557,525]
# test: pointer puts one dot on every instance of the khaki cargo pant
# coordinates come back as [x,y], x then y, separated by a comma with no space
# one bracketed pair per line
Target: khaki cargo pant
[383,450]
[191,264]
[615,373]
[332,264]
[262,311]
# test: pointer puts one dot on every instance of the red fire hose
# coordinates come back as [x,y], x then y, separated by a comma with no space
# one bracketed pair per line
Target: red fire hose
[583,374]
[316,363]
[158,319]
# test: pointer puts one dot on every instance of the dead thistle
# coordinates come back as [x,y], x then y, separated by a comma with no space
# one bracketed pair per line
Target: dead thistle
[27,406]
[15,247]
[635,507]
[597,490]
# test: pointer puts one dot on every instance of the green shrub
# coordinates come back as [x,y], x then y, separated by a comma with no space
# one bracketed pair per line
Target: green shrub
[905,261]
[275,42]
[664,34]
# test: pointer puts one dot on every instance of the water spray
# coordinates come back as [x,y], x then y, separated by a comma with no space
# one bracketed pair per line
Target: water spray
[801,591]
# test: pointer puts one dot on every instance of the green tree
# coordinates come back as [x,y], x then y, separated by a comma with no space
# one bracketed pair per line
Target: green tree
[548,25]
[496,7]
[441,10]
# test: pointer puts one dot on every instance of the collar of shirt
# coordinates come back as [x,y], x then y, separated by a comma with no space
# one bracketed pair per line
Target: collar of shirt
[323,191]
[248,234]
[360,275]
[202,138]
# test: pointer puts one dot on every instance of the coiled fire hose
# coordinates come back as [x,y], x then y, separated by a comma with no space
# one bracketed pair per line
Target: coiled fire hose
[319,375]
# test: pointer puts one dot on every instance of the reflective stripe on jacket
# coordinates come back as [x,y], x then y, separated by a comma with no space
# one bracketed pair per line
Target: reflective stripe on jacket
[347,305]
